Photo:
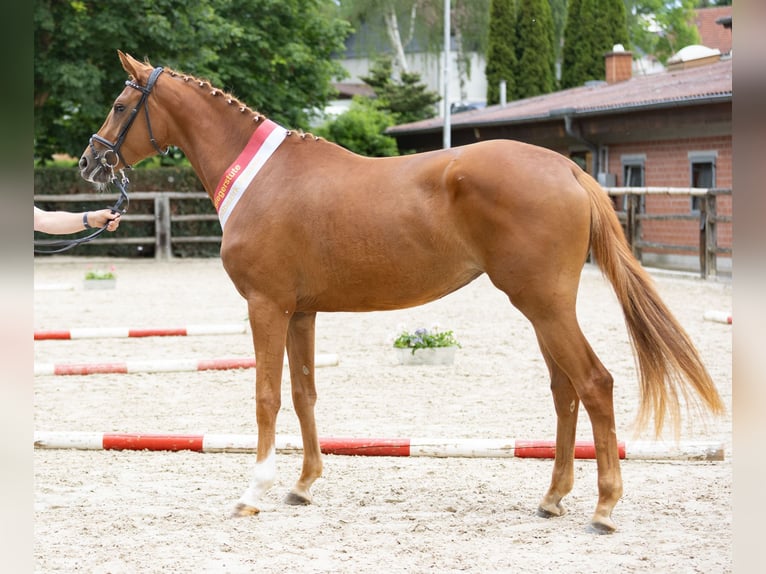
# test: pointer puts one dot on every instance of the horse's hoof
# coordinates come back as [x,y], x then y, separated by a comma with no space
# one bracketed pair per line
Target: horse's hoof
[244,510]
[551,511]
[602,526]
[295,499]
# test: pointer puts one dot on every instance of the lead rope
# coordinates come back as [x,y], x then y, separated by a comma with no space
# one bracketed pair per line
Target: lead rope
[65,245]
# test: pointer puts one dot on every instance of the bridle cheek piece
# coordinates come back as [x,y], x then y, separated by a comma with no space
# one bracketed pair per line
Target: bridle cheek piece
[112,149]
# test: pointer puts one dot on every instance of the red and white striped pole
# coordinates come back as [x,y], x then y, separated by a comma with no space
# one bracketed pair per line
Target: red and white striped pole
[120,332]
[162,366]
[428,447]
[717,317]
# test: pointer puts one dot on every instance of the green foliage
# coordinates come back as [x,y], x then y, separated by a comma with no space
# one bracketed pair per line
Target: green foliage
[592,29]
[361,128]
[559,15]
[276,56]
[425,339]
[521,49]
[535,56]
[501,50]
[676,22]
[408,99]
[574,46]
[420,23]
[100,274]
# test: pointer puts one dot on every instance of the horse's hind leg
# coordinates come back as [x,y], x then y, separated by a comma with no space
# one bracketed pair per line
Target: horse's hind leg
[559,333]
[567,406]
[300,353]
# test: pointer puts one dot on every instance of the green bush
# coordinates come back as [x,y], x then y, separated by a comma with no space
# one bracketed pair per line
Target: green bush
[360,130]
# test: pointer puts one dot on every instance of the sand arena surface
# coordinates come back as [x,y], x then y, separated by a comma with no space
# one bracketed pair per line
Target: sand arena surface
[127,512]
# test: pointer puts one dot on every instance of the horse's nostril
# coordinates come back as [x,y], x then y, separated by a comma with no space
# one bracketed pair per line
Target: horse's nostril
[83,162]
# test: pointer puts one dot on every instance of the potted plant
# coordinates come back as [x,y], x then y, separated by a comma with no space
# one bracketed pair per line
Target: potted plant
[100,279]
[426,347]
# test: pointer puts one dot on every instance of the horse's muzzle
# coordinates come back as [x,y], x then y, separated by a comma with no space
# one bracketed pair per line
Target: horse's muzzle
[91,170]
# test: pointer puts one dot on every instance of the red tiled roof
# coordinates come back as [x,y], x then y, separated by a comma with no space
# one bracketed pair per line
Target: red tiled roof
[713,81]
[714,35]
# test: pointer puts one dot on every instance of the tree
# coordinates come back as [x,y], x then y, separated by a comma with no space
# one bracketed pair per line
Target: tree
[574,48]
[661,29]
[418,25]
[535,54]
[276,56]
[360,129]
[396,101]
[501,51]
[592,29]
[408,99]
[559,13]
[470,21]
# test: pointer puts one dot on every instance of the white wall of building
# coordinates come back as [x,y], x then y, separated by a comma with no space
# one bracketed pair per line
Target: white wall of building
[431,70]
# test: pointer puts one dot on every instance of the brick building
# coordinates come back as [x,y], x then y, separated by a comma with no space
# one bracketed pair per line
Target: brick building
[669,129]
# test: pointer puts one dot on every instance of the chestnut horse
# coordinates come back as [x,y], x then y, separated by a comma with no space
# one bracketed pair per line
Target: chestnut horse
[309,226]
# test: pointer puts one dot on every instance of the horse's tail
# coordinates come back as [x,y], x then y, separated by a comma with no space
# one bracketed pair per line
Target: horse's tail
[668,363]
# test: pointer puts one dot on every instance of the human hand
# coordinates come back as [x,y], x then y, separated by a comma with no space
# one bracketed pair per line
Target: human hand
[104,217]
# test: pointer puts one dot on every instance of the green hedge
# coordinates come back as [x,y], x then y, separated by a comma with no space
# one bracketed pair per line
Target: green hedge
[67,181]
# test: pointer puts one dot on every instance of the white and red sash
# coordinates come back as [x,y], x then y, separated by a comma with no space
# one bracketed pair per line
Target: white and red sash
[236,179]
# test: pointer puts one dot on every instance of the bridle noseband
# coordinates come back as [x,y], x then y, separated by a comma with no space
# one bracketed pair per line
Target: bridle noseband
[114,148]
[103,160]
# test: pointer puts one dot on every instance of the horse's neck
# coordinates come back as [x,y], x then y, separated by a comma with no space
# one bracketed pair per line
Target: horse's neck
[211,135]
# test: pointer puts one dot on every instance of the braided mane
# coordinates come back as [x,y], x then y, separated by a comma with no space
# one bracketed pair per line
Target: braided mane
[216,92]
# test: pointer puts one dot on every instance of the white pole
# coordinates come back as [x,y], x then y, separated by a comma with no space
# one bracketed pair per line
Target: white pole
[447,124]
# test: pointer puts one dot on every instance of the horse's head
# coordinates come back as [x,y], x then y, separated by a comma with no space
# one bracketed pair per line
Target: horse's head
[121,141]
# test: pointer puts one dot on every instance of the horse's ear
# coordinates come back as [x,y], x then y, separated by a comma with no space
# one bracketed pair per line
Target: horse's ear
[129,63]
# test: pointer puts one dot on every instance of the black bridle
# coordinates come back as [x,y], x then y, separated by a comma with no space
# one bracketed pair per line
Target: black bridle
[113,150]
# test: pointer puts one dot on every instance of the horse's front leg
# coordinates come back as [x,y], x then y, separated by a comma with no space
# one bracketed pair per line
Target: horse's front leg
[300,353]
[268,322]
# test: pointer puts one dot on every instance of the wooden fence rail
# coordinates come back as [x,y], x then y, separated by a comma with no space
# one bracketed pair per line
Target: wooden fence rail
[631,218]
[708,248]
[162,216]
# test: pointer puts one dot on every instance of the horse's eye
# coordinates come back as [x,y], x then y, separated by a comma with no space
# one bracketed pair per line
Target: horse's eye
[119,108]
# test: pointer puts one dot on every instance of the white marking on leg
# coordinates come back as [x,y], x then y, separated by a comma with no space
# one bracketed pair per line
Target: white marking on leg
[263,479]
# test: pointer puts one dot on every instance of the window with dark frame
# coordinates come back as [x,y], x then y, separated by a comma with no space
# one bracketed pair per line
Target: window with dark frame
[702,174]
[632,176]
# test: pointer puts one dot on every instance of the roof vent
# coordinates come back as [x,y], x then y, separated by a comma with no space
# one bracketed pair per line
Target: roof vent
[694,55]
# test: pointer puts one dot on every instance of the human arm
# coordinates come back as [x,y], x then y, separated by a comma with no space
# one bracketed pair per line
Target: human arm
[63,222]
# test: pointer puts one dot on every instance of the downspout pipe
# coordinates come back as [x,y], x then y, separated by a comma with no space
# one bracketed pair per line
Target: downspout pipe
[574,133]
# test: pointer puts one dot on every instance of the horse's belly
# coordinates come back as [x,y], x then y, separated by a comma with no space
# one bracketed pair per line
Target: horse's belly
[392,287]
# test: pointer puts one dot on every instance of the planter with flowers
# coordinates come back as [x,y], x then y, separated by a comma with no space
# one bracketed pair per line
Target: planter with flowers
[100,279]
[426,347]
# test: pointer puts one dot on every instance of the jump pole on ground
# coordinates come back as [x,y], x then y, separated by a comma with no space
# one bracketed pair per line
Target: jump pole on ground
[162,366]
[408,447]
[121,332]
[717,317]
